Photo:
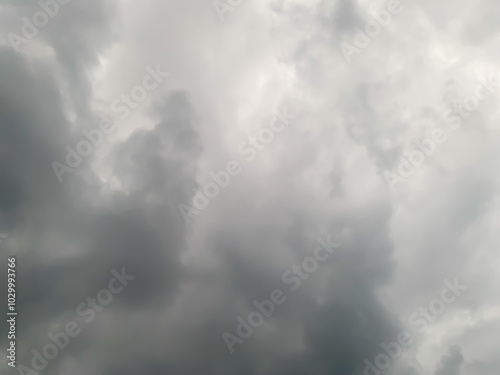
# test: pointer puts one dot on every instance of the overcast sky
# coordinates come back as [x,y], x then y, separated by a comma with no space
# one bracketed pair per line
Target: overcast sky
[217,151]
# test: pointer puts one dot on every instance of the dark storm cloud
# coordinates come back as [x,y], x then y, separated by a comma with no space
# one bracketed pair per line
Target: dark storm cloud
[141,232]
[451,363]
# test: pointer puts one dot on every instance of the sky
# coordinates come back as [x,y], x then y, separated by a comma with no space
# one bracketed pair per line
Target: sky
[265,187]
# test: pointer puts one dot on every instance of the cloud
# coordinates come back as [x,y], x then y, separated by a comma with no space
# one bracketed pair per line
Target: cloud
[451,363]
[323,176]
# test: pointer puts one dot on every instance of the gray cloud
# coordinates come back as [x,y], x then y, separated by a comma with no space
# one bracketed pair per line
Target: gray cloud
[450,364]
[322,175]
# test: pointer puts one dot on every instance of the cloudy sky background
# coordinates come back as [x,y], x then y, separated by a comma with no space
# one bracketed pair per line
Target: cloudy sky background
[322,176]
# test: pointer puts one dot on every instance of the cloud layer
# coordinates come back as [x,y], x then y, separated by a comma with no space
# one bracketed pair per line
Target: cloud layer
[353,121]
